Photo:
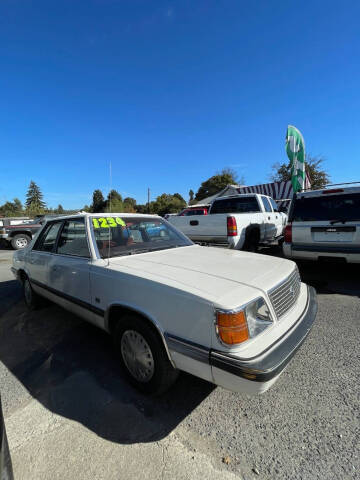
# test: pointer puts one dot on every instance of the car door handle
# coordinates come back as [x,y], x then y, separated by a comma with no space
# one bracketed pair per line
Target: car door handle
[54,268]
[194,222]
[268,218]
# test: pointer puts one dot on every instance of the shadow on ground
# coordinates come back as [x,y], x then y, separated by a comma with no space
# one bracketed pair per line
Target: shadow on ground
[326,277]
[72,368]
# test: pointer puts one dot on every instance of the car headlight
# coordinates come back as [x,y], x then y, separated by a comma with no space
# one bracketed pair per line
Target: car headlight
[234,327]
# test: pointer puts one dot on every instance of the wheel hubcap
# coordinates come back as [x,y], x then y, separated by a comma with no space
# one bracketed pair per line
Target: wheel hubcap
[137,356]
[21,242]
[27,292]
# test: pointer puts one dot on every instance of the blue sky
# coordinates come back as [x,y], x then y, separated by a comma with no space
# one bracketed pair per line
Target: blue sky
[171,92]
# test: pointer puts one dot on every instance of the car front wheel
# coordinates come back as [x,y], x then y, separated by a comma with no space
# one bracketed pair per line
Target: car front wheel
[32,300]
[143,356]
[20,241]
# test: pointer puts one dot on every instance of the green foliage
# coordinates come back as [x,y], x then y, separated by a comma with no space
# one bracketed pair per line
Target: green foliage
[11,209]
[191,195]
[59,209]
[141,208]
[114,195]
[217,182]
[130,201]
[34,200]
[98,203]
[129,205]
[116,206]
[167,203]
[319,177]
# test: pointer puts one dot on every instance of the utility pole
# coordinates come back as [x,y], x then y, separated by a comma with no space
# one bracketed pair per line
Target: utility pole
[148,200]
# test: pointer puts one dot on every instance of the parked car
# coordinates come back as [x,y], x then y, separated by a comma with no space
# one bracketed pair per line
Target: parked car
[19,236]
[324,224]
[232,318]
[190,211]
[6,472]
[240,221]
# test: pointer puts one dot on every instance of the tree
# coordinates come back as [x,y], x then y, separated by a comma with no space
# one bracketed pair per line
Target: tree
[114,202]
[214,184]
[167,203]
[114,195]
[18,208]
[59,209]
[11,209]
[319,177]
[177,195]
[191,195]
[34,200]
[98,202]
[129,205]
[142,208]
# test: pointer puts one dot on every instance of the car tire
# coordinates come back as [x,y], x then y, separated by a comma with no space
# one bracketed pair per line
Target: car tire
[20,241]
[32,299]
[142,356]
[252,241]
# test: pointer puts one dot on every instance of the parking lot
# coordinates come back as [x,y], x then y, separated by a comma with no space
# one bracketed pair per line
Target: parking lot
[70,414]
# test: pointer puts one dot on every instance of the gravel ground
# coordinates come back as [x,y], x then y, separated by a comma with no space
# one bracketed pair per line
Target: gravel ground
[306,427]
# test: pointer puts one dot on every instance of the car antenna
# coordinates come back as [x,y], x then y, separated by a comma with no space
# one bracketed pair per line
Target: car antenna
[110,178]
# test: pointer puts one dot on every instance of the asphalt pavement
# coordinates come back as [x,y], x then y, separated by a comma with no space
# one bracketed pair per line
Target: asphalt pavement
[70,414]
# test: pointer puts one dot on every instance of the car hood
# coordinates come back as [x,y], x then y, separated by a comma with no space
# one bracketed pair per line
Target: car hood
[217,274]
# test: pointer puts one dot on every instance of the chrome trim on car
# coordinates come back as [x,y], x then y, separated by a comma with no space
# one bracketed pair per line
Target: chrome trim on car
[284,295]
[325,248]
[263,368]
[187,348]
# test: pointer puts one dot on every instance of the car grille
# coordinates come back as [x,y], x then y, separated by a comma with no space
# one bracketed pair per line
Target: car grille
[284,296]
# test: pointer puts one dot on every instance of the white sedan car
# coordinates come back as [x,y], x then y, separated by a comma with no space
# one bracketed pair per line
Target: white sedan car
[232,318]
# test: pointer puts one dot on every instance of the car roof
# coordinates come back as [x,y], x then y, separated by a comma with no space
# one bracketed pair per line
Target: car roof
[107,214]
[335,190]
[239,195]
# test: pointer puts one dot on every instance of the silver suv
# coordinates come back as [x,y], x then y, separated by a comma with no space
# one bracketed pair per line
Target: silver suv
[324,224]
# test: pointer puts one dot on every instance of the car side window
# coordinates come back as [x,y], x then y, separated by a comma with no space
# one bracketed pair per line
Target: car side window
[266,204]
[274,205]
[47,240]
[73,239]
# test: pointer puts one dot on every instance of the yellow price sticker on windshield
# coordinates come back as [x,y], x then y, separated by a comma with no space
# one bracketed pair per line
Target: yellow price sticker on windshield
[108,222]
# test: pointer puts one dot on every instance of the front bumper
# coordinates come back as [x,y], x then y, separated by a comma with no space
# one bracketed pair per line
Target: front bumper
[235,373]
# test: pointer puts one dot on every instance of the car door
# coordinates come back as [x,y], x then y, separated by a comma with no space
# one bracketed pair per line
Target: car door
[279,223]
[269,220]
[40,255]
[69,270]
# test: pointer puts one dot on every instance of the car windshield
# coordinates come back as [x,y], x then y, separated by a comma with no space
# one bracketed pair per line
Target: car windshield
[118,235]
[344,207]
[235,205]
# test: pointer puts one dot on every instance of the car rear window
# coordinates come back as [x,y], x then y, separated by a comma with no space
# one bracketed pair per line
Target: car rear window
[327,207]
[235,205]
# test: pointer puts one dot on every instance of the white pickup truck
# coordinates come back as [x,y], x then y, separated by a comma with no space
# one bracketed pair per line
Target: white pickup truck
[241,221]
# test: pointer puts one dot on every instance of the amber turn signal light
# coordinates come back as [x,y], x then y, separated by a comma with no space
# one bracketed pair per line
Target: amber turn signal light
[232,328]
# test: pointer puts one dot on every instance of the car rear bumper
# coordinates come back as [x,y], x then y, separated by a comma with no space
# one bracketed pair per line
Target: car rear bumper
[350,253]
[257,374]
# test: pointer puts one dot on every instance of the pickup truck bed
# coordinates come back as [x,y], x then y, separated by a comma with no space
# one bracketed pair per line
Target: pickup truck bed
[240,221]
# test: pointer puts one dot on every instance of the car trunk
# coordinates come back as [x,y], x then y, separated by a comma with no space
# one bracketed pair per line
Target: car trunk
[327,220]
